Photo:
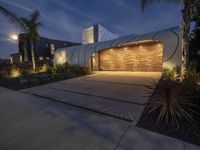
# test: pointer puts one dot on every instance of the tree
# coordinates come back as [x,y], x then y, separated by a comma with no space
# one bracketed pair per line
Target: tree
[186,17]
[32,25]
[195,36]
[27,25]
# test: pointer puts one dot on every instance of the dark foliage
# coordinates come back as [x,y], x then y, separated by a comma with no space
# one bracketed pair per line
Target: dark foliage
[195,36]
[79,70]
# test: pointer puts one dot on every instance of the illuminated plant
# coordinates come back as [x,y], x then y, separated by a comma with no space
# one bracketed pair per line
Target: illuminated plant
[15,72]
[172,74]
[43,68]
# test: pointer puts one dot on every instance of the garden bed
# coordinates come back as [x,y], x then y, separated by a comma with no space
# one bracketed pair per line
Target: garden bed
[34,80]
[186,131]
[19,77]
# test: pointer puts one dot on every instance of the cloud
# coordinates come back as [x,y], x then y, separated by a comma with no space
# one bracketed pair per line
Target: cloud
[20,6]
[75,10]
[121,3]
[64,27]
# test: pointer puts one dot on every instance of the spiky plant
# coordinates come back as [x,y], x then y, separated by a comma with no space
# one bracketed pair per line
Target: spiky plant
[170,101]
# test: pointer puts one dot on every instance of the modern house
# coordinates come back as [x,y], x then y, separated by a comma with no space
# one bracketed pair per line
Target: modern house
[44,49]
[147,52]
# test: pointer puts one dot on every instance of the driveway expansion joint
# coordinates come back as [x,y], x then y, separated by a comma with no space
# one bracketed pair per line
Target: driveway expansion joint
[108,98]
[82,107]
[115,82]
[121,138]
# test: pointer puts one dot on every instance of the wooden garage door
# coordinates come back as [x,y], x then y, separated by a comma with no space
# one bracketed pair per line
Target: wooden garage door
[142,58]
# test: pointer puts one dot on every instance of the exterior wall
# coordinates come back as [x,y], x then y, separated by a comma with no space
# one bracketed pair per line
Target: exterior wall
[104,34]
[88,35]
[172,48]
[61,58]
[170,38]
[96,33]
[143,58]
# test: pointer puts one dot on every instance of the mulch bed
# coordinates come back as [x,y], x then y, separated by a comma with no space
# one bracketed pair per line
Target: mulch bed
[186,132]
[13,83]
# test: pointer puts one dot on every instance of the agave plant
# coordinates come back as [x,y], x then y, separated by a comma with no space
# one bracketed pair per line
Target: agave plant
[170,102]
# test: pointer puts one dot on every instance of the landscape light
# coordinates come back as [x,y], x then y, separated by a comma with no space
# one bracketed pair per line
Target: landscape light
[198,82]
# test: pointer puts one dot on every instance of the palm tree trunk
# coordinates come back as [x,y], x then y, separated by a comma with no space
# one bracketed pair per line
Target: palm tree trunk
[33,55]
[25,47]
[186,12]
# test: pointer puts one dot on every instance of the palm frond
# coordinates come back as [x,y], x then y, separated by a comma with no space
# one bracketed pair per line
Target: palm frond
[13,18]
[32,25]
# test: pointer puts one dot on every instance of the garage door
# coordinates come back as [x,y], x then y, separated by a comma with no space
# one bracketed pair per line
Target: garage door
[141,58]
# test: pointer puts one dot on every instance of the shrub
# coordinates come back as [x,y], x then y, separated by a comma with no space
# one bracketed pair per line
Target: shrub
[25,72]
[193,65]
[190,83]
[42,68]
[172,74]
[171,102]
[68,75]
[26,67]
[4,74]
[49,69]
[86,70]
[60,69]
[79,70]
[14,71]
[45,67]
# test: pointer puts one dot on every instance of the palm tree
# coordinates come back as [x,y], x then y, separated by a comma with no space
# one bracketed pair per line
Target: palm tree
[32,34]
[28,26]
[186,17]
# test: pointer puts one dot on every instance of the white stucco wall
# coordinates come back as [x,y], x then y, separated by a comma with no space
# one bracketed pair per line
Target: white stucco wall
[170,38]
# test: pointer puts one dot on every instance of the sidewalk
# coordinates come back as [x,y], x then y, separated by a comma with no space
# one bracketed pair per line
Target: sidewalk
[28,122]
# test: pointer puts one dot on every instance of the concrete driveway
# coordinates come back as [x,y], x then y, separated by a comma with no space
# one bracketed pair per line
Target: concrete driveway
[118,94]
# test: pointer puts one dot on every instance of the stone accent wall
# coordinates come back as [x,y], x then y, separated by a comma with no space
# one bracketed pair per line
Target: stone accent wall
[146,57]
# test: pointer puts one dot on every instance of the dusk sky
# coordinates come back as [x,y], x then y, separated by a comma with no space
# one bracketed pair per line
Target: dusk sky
[64,19]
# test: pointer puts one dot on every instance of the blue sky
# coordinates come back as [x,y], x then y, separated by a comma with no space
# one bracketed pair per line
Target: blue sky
[64,19]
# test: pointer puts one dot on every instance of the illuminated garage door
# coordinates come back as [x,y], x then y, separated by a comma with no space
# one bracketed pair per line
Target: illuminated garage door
[143,57]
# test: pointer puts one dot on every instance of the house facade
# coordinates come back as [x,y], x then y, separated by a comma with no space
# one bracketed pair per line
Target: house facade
[147,52]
